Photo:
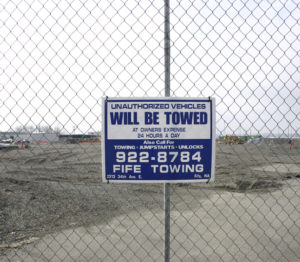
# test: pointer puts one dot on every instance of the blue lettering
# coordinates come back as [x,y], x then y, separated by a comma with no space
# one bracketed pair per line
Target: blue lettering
[124,118]
[168,117]
[151,118]
[186,118]
[116,118]
[203,118]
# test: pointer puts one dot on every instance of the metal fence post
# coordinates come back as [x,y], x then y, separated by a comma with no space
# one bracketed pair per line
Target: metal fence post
[167,93]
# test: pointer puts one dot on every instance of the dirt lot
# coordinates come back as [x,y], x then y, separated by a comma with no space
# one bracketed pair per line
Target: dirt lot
[47,188]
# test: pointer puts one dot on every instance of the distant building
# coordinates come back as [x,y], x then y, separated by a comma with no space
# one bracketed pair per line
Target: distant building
[44,138]
[31,137]
[14,136]
[97,134]
[76,139]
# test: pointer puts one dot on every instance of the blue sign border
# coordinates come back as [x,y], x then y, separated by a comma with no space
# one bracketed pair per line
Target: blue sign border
[108,155]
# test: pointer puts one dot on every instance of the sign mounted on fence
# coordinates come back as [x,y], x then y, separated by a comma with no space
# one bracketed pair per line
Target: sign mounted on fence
[158,140]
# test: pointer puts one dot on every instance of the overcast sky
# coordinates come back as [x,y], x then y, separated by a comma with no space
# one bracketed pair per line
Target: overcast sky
[59,58]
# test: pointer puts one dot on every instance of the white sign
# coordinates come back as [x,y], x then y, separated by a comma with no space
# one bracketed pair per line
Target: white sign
[158,140]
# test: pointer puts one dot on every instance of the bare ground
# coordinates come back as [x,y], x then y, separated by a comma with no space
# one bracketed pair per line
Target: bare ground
[47,188]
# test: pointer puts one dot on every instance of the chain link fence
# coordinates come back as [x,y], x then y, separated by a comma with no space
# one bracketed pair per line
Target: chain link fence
[59,58]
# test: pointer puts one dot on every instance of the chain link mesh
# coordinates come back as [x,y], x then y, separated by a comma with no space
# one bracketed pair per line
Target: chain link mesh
[59,58]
